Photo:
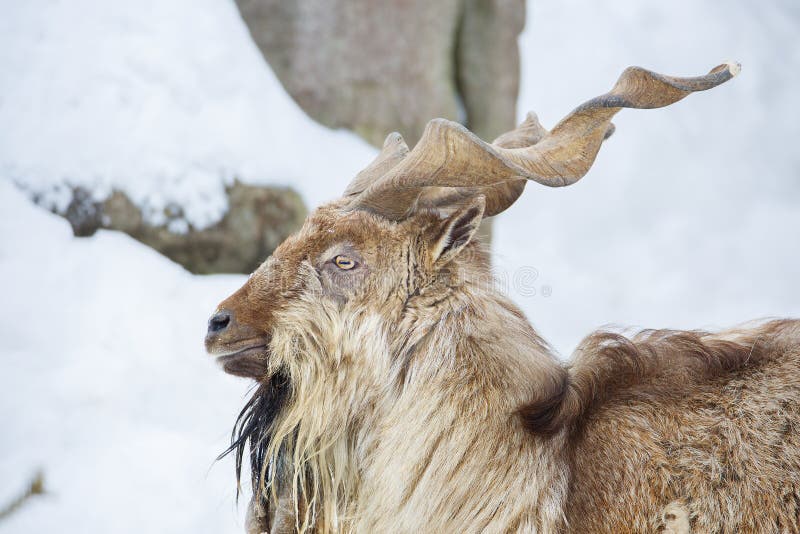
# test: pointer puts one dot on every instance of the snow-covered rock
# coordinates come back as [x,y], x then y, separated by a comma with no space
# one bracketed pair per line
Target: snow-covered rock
[258,219]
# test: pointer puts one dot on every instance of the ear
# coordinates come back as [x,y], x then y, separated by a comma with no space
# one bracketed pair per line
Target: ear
[452,234]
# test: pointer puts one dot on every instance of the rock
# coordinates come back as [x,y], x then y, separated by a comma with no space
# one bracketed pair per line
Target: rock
[379,66]
[84,213]
[487,64]
[258,219]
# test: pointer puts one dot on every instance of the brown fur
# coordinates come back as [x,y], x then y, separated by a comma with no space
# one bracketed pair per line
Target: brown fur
[421,399]
[716,431]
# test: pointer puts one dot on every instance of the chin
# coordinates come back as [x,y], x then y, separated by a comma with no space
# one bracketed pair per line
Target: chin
[251,363]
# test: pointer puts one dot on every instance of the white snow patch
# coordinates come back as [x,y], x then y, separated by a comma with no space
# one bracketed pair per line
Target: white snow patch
[167,101]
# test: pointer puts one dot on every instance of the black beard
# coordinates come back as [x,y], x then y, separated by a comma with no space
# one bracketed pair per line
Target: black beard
[253,430]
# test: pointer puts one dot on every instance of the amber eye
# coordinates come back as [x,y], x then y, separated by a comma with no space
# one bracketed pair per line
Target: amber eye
[344,263]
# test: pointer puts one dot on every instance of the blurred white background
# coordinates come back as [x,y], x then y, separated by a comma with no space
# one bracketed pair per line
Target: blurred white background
[690,218]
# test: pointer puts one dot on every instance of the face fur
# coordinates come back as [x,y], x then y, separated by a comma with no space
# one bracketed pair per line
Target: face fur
[342,264]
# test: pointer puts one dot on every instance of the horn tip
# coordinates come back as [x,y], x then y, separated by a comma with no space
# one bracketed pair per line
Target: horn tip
[531,117]
[393,139]
[734,67]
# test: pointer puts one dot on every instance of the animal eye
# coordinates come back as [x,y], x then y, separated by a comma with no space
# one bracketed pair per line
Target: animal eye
[344,263]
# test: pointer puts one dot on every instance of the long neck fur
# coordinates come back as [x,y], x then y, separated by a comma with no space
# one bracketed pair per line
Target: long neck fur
[437,457]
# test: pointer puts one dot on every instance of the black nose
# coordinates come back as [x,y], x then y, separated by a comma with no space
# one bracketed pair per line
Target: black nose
[219,322]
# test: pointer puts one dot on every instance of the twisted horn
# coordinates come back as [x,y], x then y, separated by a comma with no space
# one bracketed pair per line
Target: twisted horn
[448,155]
[393,151]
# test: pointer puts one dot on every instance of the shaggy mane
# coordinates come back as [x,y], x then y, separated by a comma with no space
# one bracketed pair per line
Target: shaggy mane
[654,363]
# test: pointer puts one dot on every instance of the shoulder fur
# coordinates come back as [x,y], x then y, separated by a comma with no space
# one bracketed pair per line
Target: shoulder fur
[608,366]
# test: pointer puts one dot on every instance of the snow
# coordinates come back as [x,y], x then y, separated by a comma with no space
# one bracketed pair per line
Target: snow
[105,385]
[688,219]
[167,101]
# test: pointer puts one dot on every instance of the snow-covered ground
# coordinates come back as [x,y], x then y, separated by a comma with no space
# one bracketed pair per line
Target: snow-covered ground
[104,383]
[690,218]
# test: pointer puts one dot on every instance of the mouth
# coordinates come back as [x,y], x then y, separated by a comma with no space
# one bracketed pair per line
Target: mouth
[247,351]
[249,361]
